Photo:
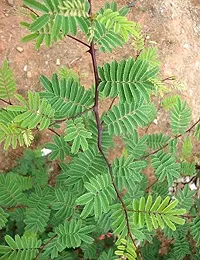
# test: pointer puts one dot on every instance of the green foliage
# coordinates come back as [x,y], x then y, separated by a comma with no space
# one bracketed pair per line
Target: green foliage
[77,133]
[13,133]
[187,169]
[83,201]
[125,118]
[126,250]
[181,248]
[128,169]
[58,19]
[169,102]
[35,112]
[157,213]
[185,198]
[11,193]
[151,251]
[20,248]
[99,196]
[3,218]
[7,82]
[117,23]
[66,96]
[195,227]
[165,167]
[106,39]
[156,141]
[127,78]
[180,117]
[197,132]
[186,149]
[66,73]
[135,146]
[59,148]
[70,234]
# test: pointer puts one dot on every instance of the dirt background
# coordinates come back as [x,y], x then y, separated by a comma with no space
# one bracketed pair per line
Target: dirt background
[173,26]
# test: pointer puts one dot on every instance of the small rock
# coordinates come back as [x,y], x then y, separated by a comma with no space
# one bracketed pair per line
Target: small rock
[20,49]
[197,65]
[155,121]
[10,2]
[147,37]
[46,62]
[46,151]
[25,68]
[6,14]
[29,74]
[186,46]
[58,62]
[192,186]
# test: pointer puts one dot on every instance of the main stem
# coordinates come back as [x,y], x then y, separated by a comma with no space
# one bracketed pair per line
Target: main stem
[92,52]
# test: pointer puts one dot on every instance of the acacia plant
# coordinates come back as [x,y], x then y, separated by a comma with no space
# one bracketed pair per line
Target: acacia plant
[98,209]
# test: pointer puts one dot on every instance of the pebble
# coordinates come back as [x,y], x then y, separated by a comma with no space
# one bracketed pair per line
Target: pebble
[20,49]
[192,186]
[10,2]
[58,62]
[25,68]
[155,121]
[46,151]
[29,74]
[186,46]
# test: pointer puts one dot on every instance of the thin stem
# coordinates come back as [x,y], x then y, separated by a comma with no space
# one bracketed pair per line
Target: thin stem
[92,52]
[72,117]
[84,43]
[7,102]
[112,103]
[176,137]
[31,10]
[42,248]
[53,131]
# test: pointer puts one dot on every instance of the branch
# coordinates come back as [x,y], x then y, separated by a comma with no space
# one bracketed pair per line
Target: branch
[84,43]
[176,137]
[31,10]
[72,117]
[53,131]
[42,248]
[92,52]
[7,102]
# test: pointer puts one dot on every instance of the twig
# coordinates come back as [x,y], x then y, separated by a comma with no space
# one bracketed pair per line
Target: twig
[111,104]
[72,117]
[92,52]
[53,131]
[7,102]
[176,137]
[84,43]
[42,248]
[31,10]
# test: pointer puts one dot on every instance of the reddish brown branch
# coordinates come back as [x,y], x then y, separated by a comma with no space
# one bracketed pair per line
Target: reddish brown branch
[53,131]
[6,102]
[92,52]
[72,117]
[84,43]
[42,248]
[176,137]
